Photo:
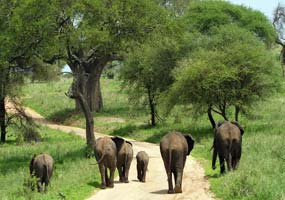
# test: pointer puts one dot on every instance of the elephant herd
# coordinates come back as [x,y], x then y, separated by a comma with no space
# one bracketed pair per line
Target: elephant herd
[114,153]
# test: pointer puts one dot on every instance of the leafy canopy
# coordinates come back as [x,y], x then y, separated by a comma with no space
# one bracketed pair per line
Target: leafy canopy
[234,70]
[202,16]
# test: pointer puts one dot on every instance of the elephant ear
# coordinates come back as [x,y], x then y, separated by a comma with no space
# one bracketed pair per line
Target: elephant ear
[190,142]
[118,141]
[219,123]
[129,143]
[31,164]
[239,126]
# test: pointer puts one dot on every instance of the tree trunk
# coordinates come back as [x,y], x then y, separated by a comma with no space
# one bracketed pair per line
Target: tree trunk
[75,92]
[2,119]
[93,89]
[81,87]
[210,116]
[152,107]
[223,110]
[237,110]
[89,121]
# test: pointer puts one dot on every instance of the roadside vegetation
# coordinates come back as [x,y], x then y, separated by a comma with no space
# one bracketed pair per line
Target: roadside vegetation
[261,172]
[73,178]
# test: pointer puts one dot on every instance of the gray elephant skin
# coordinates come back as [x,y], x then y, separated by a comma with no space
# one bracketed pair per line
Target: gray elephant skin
[142,163]
[106,155]
[227,145]
[41,166]
[174,148]
[124,158]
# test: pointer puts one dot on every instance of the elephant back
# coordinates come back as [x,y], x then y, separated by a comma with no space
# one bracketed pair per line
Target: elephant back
[105,146]
[43,165]
[228,132]
[142,156]
[173,140]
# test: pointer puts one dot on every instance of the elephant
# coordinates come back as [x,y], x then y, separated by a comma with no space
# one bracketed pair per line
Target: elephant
[227,145]
[42,166]
[142,163]
[106,155]
[124,157]
[174,147]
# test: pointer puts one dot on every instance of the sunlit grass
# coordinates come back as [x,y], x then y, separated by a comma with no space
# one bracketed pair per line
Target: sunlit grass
[261,172]
[73,178]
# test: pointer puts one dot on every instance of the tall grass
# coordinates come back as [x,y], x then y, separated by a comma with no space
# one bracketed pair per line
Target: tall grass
[73,178]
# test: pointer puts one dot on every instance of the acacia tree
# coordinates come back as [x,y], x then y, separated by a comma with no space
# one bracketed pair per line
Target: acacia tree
[235,70]
[21,37]
[96,32]
[93,33]
[278,23]
[176,7]
[147,71]
[202,16]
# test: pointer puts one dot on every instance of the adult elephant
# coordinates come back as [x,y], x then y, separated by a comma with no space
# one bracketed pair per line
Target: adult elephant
[124,157]
[174,147]
[106,156]
[227,144]
[41,166]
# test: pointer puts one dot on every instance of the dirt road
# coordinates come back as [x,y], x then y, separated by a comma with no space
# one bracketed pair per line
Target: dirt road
[195,185]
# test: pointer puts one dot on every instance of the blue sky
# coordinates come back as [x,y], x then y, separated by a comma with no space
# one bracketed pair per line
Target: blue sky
[265,6]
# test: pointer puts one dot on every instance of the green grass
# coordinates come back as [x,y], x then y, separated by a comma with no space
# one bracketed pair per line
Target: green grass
[73,178]
[262,168]
[50,101]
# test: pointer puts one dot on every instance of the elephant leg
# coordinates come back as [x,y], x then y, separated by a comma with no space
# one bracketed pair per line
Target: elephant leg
[222,163]
[126,174]
[214,158]
[111,179]
[106,177]
[103,176]
[39,185]
[127,169]
[178,182]
[170,186]
[229,161]
[46,187]
[139,171]
[120,170]
[236,155]
[144,173]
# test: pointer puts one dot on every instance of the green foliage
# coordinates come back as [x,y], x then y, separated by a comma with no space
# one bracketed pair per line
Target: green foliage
[231,68]
[261,171]
[150,65]
[147,70]
[202,16]
[43,71]
[73,178]
[175,7]
[107,28]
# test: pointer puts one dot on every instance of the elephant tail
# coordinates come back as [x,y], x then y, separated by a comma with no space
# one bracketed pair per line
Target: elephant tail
[169,161]
[46,175]
[100,160]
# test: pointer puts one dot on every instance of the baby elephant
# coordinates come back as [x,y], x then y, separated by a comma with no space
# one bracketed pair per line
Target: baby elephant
[41,166]
[142,163]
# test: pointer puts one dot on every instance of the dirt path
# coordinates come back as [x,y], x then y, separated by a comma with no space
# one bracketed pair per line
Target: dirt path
[195,185]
